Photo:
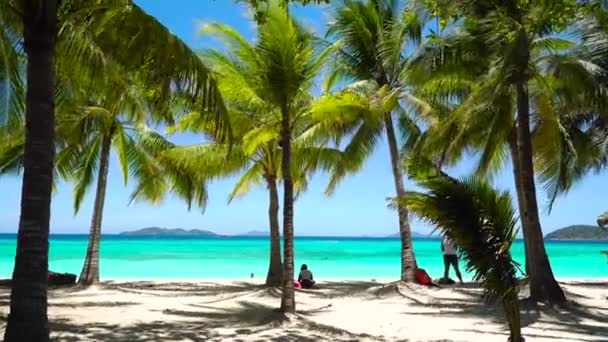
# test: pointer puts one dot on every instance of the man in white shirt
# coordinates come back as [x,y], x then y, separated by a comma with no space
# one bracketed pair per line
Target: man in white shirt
[450,257]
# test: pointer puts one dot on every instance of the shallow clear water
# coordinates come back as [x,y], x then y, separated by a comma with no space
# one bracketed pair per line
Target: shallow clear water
[339,257]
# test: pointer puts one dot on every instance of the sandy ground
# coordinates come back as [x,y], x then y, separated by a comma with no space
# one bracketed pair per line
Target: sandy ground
[375,310]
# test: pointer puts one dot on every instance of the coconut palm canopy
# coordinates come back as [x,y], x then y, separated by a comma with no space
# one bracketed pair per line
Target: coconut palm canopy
[91,37]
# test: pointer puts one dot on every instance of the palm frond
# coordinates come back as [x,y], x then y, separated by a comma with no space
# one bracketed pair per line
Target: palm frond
[170,70]
[11,151]
[359,148]
[253,176]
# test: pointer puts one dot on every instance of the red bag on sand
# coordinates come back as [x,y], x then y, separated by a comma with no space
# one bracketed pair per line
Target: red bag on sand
[422,277]
[297,284]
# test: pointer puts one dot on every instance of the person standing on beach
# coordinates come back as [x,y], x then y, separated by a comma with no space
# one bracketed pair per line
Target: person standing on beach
[450,257]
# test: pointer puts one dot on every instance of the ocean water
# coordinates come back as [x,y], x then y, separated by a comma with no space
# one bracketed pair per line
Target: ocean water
[232,257]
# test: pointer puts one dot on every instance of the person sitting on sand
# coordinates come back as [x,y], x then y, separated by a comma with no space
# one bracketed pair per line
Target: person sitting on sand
[305,277]
[450,257]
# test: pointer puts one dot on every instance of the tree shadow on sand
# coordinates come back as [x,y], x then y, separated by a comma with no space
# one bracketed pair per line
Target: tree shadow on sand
[340,289]
[182,288]
[246,321]
[571,318]
[245,314]
[92,304]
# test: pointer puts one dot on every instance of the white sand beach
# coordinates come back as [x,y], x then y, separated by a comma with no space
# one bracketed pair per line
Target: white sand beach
[342,310]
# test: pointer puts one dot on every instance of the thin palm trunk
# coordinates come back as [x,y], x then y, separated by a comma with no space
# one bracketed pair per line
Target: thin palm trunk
[543,286]
[275,269]
[90,270]
[288,302]
[28,320]
[510,305]
[408,261]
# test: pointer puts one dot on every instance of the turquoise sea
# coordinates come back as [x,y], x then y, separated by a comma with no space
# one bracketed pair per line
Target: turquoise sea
[237,257]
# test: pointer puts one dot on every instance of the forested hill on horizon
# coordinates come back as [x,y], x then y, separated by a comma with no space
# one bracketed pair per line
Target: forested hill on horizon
[158,231]
[578,232]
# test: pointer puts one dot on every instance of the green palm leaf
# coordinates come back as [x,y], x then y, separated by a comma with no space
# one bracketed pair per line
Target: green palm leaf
[482,223]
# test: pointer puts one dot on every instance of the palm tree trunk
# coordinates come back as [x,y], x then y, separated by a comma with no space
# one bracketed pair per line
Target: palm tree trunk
[510,304]
[518,189]
[408,261]
[275,269]
[90,269]
[288,302]
[27,320]
[543,286]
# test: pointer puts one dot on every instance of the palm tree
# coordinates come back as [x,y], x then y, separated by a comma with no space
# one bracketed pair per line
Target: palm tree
[172,68]
[281,67]
[266,85]
[371,39]
[90,135]
[481,221]
[27,320]
[507,53]
[256,129]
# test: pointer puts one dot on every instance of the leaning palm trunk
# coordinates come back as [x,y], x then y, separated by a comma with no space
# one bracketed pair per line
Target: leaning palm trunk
[543,286]
[288,302]
[275,269]
[27,320]
[90,270]
[408,261]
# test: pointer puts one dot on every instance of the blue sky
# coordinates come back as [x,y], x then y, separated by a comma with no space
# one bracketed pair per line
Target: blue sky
[358,207]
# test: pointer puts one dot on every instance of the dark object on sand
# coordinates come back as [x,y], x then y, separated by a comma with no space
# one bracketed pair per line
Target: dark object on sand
[54,279]
[445,281]
[307,284]
[61,278]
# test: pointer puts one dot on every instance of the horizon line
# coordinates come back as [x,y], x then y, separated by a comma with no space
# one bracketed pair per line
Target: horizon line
[238,235]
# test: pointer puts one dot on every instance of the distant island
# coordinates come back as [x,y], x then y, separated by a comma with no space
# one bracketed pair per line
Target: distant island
[578,232]
[156,231]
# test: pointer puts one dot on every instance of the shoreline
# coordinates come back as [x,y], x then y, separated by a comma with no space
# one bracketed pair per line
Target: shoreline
[262,279]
